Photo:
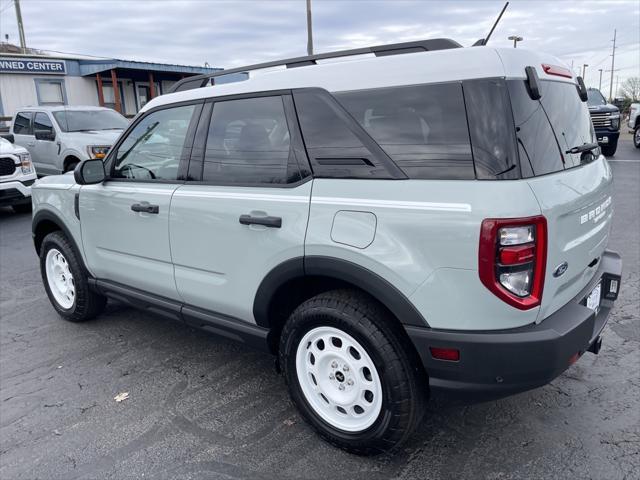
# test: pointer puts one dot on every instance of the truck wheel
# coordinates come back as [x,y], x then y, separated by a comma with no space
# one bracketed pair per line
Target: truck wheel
[351,372]
[609,150]
[65,280]
[636,136]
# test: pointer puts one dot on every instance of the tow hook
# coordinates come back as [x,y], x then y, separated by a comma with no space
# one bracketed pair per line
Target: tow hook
[596,345]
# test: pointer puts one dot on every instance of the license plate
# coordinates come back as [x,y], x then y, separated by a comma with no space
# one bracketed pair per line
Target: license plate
[593,300]
[603,139]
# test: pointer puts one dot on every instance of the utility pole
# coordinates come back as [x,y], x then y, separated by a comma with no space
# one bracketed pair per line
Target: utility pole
[617,78]
[515,39]
[584,70]
[309,30]
[600,82]
[613,59]
[23,42]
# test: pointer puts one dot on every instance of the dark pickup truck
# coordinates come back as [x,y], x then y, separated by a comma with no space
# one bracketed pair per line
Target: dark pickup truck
[606,121]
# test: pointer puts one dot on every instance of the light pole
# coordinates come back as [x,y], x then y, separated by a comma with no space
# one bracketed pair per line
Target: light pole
[584,70]
[600,82]
[309,30]
[515,39]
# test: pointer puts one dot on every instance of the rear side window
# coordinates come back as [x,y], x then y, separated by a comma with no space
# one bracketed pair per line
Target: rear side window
[422,128]
[22,124]
[42,123]
[537,145]
[491,129]
[249,143]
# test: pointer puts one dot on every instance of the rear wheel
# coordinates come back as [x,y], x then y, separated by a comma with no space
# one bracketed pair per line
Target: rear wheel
[636,136]
[66,281]
[351,372]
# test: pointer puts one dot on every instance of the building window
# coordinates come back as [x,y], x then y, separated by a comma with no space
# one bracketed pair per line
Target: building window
[109,96]
[51,92]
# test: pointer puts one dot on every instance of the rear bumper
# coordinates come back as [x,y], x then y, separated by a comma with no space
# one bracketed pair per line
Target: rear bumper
[499,363]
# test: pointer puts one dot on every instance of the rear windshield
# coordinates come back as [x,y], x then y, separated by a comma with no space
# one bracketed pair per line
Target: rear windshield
[547,128]
[86,120]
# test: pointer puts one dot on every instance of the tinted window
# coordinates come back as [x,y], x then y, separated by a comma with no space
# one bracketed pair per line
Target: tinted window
[22,124]
[42,122]
[537,146]
[570,119]
[422,128]
[491,129]
[249,143]
[85,120]
[595,98]
[152,150]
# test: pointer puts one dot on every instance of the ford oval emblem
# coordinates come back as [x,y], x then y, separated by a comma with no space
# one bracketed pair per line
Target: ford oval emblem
[560,269]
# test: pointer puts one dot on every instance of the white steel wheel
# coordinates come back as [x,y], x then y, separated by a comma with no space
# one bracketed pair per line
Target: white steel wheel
[338,379]
[60,279]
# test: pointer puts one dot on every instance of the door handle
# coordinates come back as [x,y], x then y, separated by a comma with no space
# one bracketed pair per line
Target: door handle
[31,144]
[145,207]
[273,222]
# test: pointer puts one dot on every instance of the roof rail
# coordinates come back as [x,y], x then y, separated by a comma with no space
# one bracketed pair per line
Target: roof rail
[199,81]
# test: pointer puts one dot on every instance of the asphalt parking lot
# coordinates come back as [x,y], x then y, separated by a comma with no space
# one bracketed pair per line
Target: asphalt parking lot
[202,407]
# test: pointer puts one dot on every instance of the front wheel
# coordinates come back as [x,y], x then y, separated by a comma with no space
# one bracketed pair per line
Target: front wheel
[66,281]
[636,136]
[351,372]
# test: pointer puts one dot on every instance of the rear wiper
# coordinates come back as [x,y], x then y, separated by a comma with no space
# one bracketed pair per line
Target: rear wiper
[585,147]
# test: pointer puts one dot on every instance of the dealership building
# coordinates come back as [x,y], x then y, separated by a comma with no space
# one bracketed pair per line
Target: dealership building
[31,80]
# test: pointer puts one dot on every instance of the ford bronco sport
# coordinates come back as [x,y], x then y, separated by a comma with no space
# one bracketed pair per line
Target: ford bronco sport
[419,217]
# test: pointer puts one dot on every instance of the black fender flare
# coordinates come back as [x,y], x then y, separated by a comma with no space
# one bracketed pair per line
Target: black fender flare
[50,216]
[372,283]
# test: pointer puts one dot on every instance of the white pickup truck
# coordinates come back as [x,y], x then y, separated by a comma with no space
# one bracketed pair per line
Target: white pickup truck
[59,137]
[16,177]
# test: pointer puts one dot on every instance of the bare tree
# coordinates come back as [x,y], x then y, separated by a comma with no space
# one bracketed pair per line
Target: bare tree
[630,88]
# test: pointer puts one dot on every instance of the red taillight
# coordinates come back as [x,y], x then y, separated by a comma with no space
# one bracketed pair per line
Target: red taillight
[512,259]
[557,70]
[449,354]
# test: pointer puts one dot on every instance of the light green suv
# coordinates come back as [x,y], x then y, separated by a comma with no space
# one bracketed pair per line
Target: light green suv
[421,217]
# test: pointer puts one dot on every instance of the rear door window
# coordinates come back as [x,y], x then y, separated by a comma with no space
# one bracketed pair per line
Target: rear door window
[422,128]
[22,124]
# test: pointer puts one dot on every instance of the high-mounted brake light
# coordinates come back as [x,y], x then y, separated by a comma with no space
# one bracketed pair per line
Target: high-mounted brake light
[557,70]
[512,259]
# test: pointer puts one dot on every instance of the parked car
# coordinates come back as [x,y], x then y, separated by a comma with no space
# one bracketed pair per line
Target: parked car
[362,220]
[634,123]
[606,121]
[59,137]
[17,174]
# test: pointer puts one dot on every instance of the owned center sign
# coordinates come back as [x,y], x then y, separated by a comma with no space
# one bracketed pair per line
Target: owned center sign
[32,65]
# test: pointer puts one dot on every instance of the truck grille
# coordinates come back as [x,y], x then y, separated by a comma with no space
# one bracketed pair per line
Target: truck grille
[601,119]
[7,166]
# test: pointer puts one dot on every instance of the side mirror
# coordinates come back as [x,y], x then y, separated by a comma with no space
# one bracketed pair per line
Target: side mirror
[89,172]
[47,135]
[582,89]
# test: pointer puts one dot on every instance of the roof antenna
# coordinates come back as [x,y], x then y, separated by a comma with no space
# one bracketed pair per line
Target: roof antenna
[484,41]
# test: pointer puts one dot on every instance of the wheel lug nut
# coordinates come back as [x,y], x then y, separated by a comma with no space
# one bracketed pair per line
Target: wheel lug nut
[349,382]
[334,364]
[345,368]
[341,387]
[331,376]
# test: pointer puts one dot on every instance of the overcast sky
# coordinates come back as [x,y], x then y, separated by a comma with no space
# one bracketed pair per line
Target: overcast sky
[235,33]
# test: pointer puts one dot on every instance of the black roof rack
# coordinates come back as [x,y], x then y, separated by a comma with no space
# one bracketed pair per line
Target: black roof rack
[200,81]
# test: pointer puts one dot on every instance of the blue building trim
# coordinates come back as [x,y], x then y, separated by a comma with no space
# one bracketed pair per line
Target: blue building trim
[91,67]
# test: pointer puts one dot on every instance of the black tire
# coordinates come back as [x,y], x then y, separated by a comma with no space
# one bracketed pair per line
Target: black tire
[636,136]
[71,166]
[609,150]
[87,304]
[404,389]
[22,208]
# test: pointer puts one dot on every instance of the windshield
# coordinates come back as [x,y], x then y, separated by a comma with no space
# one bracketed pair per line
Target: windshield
[84,120]
[595,98]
